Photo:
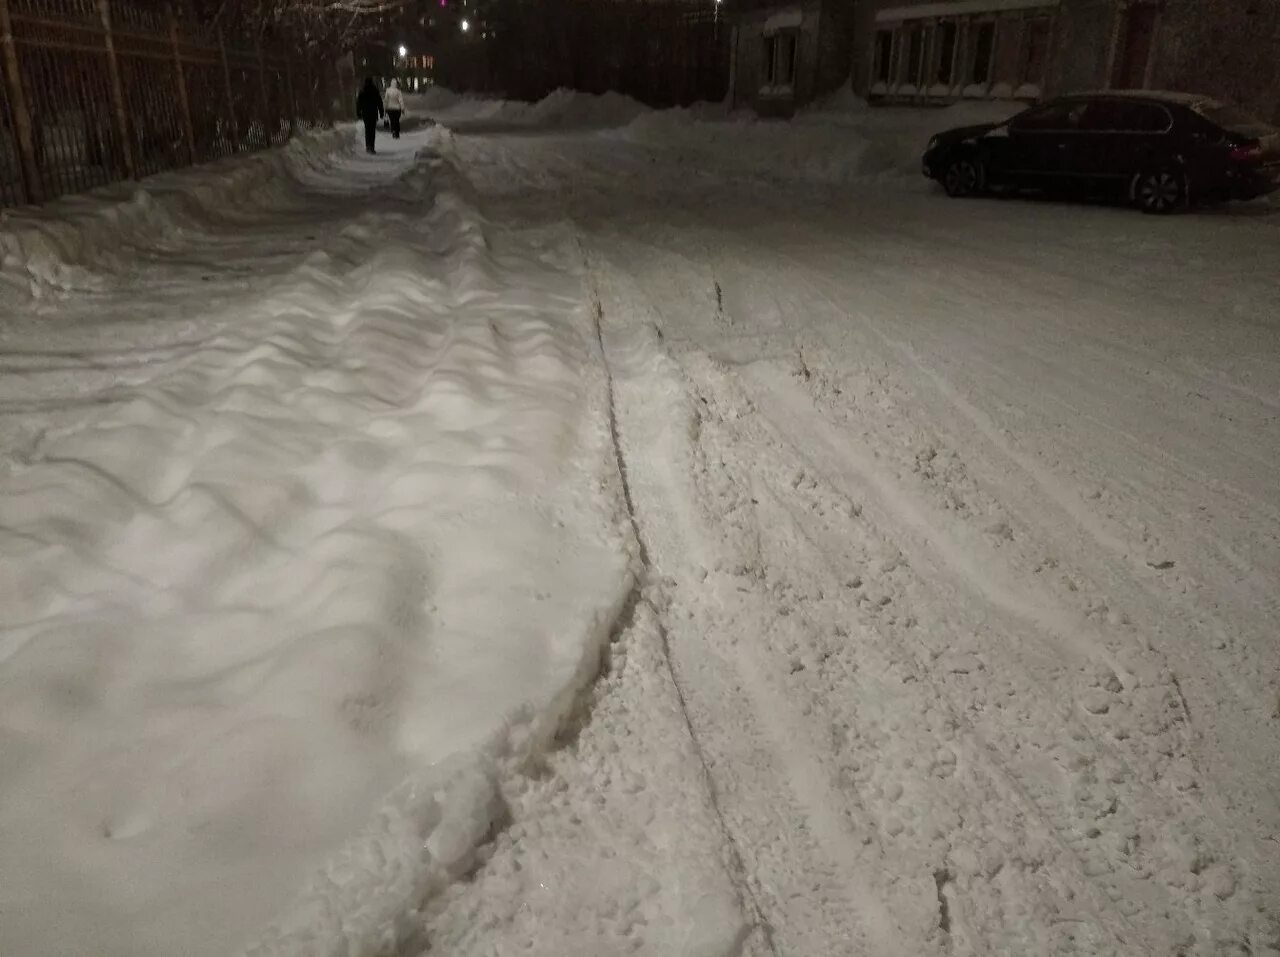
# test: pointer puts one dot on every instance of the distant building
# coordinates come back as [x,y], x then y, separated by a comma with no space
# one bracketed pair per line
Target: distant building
[926,51]
[785,55]
[941,51]
[417,71]
[405,41]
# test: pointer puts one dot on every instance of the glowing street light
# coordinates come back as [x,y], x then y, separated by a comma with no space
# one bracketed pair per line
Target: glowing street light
[466,25]
[404,53]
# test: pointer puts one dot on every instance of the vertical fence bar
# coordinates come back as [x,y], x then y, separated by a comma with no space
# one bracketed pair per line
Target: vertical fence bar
[264,100]
[117,90]
[67,111]
[310,80]
[290,95]
[341,94]
[31,184]
[226,89]
[180,77]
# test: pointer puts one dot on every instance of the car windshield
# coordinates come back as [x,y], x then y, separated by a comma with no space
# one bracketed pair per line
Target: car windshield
[1231,118]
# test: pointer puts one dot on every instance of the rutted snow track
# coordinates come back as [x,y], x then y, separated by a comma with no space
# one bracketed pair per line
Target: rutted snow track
[955,693]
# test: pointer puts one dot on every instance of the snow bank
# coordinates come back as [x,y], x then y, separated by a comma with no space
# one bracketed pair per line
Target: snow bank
[59,246]
[840,140]
[562,109]
[276,623]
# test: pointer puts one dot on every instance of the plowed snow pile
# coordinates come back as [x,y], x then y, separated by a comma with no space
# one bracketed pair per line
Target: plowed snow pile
[333,543]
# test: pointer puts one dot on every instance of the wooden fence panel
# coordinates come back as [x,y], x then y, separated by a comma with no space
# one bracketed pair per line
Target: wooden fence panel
[183,96]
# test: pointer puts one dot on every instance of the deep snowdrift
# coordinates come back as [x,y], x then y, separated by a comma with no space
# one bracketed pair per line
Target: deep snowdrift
[279,611]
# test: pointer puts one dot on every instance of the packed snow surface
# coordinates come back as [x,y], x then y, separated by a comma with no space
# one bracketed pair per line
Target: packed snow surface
[580,530]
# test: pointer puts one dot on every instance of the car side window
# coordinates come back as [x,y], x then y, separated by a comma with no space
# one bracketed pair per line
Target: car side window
[1103,116]
[1207,132]
[1118,116]
[1147,118]
[1054,117]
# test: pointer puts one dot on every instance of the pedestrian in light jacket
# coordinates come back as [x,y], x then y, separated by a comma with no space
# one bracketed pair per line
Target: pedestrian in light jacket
[394,103]
[369,109]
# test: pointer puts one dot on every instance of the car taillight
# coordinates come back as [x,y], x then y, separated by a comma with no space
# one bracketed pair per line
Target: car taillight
[1247,154]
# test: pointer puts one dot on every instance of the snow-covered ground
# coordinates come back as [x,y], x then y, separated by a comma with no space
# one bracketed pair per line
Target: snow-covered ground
[585,531]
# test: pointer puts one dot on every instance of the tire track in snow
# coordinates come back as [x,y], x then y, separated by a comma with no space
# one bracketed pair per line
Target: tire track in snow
[747,899]
[835,853]
[1247,694]
[1049,806]
[759,256]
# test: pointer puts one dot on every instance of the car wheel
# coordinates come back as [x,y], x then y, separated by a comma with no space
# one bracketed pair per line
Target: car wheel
[963,177]
[1160,191]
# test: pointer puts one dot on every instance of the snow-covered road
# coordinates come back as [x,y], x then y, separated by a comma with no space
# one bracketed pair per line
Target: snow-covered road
[955,529]
[965,519]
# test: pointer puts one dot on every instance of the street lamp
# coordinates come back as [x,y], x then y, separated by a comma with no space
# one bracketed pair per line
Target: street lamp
[404,53]
[466,25]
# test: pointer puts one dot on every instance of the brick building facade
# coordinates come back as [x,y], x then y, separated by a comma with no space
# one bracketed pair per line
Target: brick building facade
[939,51]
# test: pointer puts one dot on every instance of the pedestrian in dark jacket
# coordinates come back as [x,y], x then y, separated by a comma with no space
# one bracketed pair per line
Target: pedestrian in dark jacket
[369,109]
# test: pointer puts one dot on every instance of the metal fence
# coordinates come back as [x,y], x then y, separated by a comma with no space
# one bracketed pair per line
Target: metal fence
[96,91]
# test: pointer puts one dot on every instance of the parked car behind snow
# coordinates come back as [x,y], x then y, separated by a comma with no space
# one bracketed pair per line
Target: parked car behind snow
[1159,151]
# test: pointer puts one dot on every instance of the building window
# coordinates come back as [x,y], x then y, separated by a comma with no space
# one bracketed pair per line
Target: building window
[780,59]
[1035,50]
[884,55]
[947,34]
[915,57]
[984,45]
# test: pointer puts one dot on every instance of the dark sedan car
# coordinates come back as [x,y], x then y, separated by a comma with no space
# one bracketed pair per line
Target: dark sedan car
[1159,151]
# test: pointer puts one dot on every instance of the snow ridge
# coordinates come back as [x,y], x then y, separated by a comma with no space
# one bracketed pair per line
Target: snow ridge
[284,615]
[67,244]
